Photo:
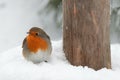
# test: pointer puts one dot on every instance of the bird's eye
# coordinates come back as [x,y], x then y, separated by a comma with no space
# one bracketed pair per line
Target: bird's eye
[36,34]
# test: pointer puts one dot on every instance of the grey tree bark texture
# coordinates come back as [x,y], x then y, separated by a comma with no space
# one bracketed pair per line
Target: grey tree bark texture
[86,40]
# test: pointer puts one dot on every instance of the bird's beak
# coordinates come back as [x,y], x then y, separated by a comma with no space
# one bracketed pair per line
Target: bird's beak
[28,32]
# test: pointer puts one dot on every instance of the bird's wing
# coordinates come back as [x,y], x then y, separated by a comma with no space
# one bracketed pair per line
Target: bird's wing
[23,42]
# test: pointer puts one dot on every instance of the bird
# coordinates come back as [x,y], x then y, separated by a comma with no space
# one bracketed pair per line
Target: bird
[37,46]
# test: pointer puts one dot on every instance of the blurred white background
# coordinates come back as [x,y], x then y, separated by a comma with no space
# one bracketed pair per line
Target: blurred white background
[18,16]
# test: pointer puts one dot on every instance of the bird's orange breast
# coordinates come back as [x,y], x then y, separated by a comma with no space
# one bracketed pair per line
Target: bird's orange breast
[36,43]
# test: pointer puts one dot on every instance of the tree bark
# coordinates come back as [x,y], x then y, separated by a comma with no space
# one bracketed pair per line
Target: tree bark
[86,39]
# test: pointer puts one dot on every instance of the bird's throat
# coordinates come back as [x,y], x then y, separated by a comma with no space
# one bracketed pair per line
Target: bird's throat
[35,43]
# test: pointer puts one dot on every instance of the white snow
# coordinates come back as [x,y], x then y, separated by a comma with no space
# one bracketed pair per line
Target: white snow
[14,67]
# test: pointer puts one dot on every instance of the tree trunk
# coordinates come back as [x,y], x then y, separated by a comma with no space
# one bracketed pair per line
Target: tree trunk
[86,32]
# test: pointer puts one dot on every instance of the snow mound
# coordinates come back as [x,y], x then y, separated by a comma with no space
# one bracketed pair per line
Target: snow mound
[14,67]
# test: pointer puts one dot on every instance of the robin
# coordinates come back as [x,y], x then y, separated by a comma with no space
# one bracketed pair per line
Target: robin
[37,46]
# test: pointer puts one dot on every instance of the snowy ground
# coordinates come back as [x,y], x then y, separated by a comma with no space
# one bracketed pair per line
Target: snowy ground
[14,67]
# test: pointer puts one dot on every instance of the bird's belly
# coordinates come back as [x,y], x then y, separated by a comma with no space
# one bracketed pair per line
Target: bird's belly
[39,56]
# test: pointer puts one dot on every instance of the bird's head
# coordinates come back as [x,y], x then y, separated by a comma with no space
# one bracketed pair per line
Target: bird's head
[37,32]
[37,39]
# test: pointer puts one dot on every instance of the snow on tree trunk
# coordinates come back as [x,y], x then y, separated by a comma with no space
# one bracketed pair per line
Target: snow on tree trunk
[86,32]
